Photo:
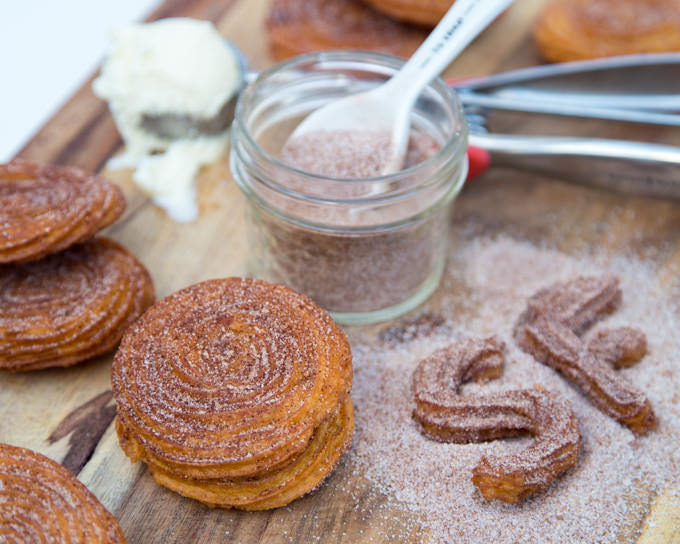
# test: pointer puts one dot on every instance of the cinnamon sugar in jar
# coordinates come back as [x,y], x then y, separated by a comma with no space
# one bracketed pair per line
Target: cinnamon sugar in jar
[366,249]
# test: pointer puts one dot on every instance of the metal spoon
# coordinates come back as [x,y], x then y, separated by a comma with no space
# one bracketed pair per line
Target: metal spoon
[173,126]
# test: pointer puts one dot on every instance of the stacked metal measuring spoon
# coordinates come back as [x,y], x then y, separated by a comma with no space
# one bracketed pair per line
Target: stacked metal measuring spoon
[641,89]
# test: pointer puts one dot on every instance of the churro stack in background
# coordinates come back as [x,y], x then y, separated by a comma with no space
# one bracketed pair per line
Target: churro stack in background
[570,30]
[235,392]
[565,30]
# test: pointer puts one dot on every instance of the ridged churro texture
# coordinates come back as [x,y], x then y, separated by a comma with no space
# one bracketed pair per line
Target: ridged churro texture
[449,416]
[570,30]
[552,329]
[235,392]
[70,306]
[41,502]
[47,208]
[295,27]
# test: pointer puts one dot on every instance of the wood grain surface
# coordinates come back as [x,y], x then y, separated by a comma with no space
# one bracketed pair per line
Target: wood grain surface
[67,413]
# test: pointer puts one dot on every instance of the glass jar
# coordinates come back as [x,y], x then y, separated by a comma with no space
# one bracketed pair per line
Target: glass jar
[367,250]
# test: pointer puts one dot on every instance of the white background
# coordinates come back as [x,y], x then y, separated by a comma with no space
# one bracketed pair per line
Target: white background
[47,49]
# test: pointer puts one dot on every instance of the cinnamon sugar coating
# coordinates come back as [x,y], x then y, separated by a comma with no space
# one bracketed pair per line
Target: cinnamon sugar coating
[235,392]
[280,486]
[550,329]
[620,347]
[577,304]
[46,208]
[41,501]
[295,27]
[569,30]
[449,416]
[71,306]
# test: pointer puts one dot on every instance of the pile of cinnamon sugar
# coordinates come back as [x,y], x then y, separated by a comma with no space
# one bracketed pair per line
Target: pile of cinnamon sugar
[605,497]
[352,153]
[354,266]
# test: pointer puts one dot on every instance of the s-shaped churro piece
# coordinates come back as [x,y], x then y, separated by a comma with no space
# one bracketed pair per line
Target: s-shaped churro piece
[448,416]
[549,330]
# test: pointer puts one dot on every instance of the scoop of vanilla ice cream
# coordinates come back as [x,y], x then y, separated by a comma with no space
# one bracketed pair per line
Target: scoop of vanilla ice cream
[176,66]
[172,66]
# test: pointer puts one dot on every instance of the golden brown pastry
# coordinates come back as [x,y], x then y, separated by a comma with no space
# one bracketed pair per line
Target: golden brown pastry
[620,347]
[569,30]
[449,416]
[45,208]
[276,487]
[303,26]
[420,12]
[70,306]
[235,392]
[550,329]
[41,502]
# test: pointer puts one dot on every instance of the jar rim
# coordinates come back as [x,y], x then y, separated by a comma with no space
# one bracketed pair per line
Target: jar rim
[453,147]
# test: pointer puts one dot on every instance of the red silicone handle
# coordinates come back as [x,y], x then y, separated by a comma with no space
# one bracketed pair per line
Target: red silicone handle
[479,160]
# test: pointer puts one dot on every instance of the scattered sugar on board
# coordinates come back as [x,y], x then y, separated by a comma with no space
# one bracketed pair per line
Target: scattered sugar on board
[605,497]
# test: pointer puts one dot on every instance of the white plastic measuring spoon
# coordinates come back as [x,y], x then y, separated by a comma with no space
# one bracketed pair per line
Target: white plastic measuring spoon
[387,109]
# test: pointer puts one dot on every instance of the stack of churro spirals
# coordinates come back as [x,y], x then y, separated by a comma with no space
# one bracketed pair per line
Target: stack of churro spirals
[235,392]
[420,12]
[65,296]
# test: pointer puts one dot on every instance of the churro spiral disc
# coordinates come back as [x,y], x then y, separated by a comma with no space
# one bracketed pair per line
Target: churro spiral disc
[304,26]
[42,502]
[449,416]
[45,208]
[421,12]
[229,379]
[70,306]
[569,30]
[551,327]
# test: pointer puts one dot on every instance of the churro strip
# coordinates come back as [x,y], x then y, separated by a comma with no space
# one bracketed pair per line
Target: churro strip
[549,329]
[280,486]
[450,417]
[578,304]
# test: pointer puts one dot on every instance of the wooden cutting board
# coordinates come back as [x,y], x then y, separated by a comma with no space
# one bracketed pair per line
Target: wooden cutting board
[67,413]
